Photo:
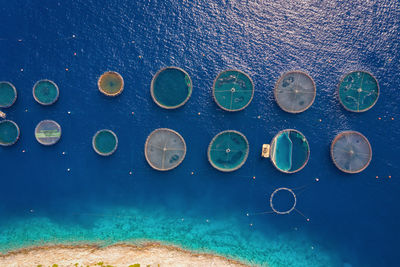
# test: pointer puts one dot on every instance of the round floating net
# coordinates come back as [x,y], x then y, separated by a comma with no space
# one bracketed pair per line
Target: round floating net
[233,90]
[111,83]
[8,94]
[289,151]
[171,87]
[45,92]
[165,149]
[295,91]
[283,200]
[358,91]
[9,133]
[351,152]
[228,151]
[48,132]
[105,142]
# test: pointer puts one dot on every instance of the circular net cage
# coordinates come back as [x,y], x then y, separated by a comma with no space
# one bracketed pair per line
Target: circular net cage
[171,87]
[105,142]
[111,83]
[283,200]
[165,149]
[8,94]
[233,90]
[228,151]
[45,92]
[9,133]
[358,91]
[48,132]
[295,91]
[351,152]
[289,151]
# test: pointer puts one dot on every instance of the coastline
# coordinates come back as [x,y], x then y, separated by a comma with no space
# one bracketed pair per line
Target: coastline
[120,254]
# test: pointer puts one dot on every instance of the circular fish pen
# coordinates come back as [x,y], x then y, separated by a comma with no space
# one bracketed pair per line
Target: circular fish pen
[351,152]
[233,90]
[105,142]
[164,149]
[289,207]
[171,87]
[295,91]
[46,92]
[9,133]
[8,94]
[289,151]
[111,83]
[358,91]
[228,151]
[48,132]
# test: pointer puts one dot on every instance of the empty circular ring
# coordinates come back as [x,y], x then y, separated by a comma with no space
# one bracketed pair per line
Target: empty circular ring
[271,199]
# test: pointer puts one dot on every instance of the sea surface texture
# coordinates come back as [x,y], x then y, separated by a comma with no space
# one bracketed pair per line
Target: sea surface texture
[68,193]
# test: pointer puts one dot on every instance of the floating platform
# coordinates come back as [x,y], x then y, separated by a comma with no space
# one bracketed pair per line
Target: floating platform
[8,94]
[164,149]
[171,87]
[9,133]
[48,132]
[105,142]
[358,91]
[111,83]
[351,152]
[289,151]
[228,151]
[295,91]
[233,90]
[46,92]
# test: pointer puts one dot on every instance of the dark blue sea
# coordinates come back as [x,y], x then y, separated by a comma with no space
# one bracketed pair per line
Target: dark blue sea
[47,196]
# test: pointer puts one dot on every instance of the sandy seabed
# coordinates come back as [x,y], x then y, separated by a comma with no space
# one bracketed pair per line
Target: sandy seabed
[150,254]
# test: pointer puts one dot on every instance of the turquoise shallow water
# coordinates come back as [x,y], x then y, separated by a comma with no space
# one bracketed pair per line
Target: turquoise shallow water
[119,224]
